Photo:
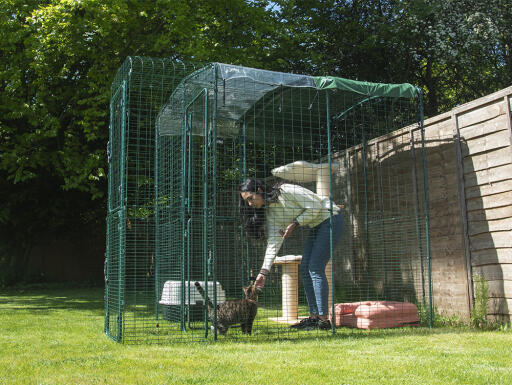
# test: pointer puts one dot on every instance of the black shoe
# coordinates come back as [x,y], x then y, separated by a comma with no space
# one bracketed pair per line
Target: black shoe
[306,324]
[324,324]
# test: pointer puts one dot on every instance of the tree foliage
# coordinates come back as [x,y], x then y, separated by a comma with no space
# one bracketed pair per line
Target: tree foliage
[59,57]
[455,50]
[58,61]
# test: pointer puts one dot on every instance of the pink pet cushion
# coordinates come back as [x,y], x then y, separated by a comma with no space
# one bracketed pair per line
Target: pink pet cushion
[376,314]
[350,320]
[384,309]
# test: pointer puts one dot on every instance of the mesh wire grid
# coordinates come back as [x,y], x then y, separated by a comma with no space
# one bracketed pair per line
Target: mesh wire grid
[221,125]
[139,90]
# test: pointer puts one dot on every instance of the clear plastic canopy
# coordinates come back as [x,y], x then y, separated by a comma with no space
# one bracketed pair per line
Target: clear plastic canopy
[240,88]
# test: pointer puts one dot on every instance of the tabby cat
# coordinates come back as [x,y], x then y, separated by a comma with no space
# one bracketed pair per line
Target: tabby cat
[238,311]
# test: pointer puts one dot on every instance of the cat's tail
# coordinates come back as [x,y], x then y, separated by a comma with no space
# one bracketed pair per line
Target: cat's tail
[203,295]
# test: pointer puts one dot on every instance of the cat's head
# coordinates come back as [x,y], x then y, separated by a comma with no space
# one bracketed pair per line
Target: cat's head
[220,328]
[251,292]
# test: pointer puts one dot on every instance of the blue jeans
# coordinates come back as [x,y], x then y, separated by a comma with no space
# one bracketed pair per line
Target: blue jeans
[314,259]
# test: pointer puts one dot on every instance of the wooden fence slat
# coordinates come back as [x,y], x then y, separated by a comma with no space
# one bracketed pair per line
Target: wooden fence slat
[444,246]
[487,160]
[500,306]
[481,113]
[491,256]
[489,176]
[454,290]
[439,231]
[487,127]
[495,272]
[445,214]
[490,201]
[490,240]
[500,289]
[486,143]
[490,214]
[444,186]
[489,189]
[480,227]
[439,157]
[443,197]
[441,170]
[439,129]
[450,277]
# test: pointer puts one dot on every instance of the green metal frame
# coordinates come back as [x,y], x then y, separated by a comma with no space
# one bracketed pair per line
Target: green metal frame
[192,227]
[141,87]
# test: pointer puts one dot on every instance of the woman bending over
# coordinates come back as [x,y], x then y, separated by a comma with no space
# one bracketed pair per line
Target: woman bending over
[278,210]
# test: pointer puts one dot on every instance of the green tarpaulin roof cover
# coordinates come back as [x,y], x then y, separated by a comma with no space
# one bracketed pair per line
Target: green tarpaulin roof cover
[404,90]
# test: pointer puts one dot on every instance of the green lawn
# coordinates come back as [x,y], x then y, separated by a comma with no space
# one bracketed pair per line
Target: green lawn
[55,336]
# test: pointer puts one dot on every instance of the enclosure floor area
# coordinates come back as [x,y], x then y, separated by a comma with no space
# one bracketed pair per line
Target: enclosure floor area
[146,329]
[152,330]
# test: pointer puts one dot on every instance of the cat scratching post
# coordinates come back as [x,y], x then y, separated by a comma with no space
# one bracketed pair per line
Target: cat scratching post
[302,172]
[290,287]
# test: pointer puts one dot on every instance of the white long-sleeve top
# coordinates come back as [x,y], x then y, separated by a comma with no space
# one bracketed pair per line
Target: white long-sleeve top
[294,203]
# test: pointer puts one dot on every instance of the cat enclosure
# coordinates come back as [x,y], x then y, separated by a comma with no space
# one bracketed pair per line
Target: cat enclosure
[139,90]
[182,141]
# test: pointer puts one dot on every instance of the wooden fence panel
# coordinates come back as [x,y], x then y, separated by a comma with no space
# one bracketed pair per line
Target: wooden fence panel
[470,197]
[485,131]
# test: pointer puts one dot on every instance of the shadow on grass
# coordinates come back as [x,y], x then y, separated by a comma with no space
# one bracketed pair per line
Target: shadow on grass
[50,299]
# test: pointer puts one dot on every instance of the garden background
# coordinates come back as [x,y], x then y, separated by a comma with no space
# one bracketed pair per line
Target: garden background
[58,60]
[57,63]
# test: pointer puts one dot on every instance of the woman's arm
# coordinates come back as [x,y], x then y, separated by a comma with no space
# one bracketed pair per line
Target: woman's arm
[289,229]
[275,240]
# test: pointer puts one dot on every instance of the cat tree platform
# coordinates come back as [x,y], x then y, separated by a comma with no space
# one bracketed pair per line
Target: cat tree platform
[290,288]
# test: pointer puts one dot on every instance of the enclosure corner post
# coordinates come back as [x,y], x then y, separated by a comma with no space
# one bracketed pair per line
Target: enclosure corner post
[464,215]
[427,210]
[157,228]
[214,198]
[183,208]
[331,246]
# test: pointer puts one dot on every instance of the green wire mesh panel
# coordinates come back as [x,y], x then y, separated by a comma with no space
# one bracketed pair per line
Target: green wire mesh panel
[381,180]
[139,90]
[223,124]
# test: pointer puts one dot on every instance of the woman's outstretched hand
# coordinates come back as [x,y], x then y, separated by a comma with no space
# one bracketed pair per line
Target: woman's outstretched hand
[260,281]
[289,230]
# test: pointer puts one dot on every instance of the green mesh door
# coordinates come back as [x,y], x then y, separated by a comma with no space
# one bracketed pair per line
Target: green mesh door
[199,212]
[170,245]
[185,250]
[115,217]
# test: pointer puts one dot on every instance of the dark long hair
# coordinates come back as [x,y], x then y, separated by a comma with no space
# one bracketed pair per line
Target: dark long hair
[253,219]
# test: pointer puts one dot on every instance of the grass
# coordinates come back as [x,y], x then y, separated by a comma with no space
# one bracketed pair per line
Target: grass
[55,336]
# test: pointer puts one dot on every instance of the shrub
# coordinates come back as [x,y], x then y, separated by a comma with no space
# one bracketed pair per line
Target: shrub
[479,312]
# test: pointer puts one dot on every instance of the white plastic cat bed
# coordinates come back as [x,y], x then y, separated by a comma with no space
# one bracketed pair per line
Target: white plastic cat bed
[172,295]
[300,172]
